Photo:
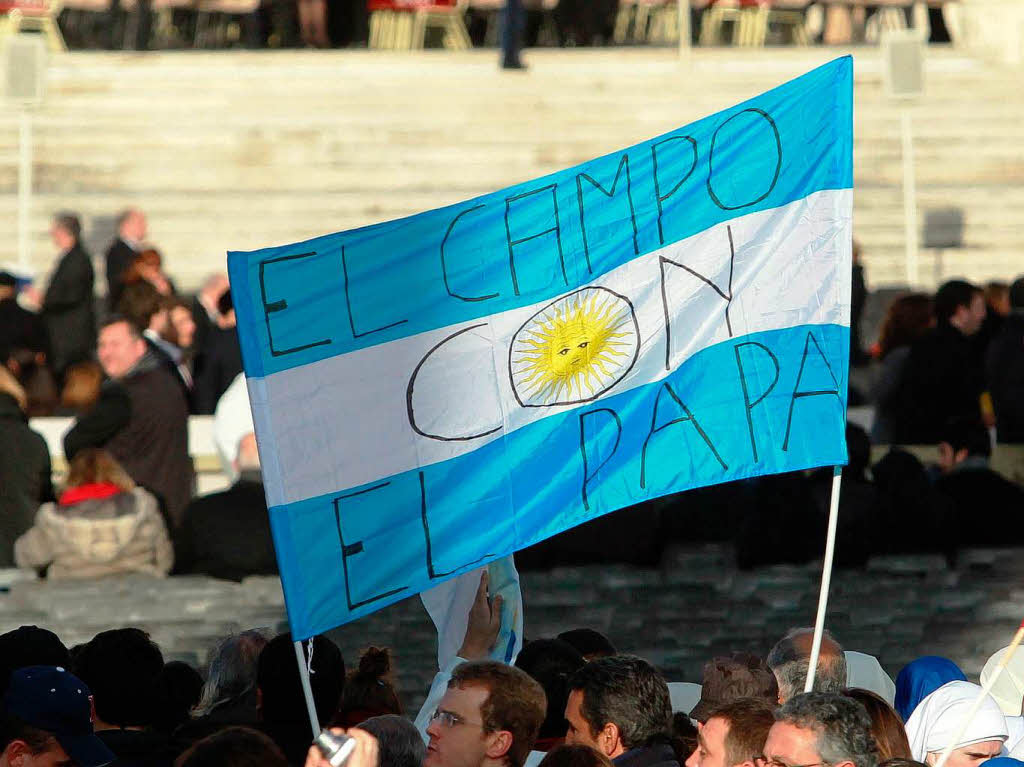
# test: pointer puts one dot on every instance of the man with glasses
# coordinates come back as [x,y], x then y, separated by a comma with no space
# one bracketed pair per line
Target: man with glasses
[734,735]
[820,729]
[489,717]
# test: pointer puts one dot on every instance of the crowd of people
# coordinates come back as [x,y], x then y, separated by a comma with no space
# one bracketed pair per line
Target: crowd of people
[568,701]
[948,371]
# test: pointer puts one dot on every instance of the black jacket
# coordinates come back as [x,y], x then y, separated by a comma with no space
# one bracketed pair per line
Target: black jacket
[21,329]
[119,256]
[137,748]
[107,417]
[218,364]
[24,476]
[1005,372]
[941,379]
[653,755]
[227,534]
[68,310]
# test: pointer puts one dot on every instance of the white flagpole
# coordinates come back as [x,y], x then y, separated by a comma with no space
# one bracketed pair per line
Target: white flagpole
[826,577]
[307,689]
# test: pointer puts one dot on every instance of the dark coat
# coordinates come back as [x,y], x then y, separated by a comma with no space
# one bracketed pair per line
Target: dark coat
[942,379]
[137,748]
[227,534]
[119,256]
[107,417]
[986,506]
[654,755]
[153,445]
[24,476]
[1005,372]
[68,310]
[218,364]
[21,329]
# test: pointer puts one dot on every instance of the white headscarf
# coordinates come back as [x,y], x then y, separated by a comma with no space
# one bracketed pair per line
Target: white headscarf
[1009,687]
[937,718]
[865,672]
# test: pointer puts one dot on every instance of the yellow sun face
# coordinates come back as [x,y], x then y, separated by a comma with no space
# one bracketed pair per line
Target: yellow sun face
[574,349]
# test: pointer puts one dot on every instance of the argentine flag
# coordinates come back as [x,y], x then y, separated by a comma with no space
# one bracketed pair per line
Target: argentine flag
[432,393]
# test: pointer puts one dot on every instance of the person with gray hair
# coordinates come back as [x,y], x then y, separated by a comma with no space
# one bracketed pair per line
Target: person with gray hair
[67,306]
[790,660]
[398,740]
[821,728]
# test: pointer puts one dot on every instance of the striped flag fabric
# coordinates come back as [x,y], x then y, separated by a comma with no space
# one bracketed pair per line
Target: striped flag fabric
[436,392]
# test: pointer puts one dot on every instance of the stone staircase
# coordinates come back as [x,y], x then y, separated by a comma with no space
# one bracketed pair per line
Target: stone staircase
[237,150]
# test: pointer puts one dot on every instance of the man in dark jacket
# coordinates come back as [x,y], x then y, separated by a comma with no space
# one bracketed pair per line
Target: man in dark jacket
[620,706]
[153,444]
[227,534]
[131,231]
[219,361]
[67,307]
[24,468]
[943,377]
[1005,369]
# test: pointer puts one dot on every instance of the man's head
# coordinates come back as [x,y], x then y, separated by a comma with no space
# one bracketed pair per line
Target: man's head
[47,721]
[281,700]
[820,728]
[734,734]
[963,438]
[790,660]
[131,225]
[233,747]
[65,231]
[398,739]
[960,304]
[551,662]
[727,679]
[120,346]
[29,646]
[122,668]
[490,715]
[589,643]
[617,704]
[143,306]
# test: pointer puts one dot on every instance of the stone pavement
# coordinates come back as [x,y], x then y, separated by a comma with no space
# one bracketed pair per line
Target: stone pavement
[696,605]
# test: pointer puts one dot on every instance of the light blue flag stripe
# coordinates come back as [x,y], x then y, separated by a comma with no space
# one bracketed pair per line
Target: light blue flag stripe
[328,296]
[758,404]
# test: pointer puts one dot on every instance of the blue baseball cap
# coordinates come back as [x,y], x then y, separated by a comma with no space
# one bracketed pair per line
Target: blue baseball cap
[56,701]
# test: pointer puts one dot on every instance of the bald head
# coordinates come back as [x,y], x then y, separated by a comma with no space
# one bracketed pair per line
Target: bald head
[790,659]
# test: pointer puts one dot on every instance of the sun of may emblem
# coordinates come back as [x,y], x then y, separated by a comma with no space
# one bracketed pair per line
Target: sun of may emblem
[574,349]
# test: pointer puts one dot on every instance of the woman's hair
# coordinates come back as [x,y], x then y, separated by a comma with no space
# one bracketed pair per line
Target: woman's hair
[149,257]
[368,689]
[574,756]
[232,670]
[9,385]
[233,747]
[906,320]
[886,726]
[81,386]
[93,465]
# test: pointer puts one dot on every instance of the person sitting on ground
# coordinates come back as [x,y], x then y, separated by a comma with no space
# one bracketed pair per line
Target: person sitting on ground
[589,643]
[227,534]
[820,728]
[979,495]
[790,658]
[24,467]
[122,668]
[551,662]
[938,719]
[233,747]
[489,717]
[282,704]
[368,690]
[886,727]
[734,734]
[943,376]
[398,739]
[727,679]
[46,719]
[574,756]
[1004,368]
[621,706]
[152,444]
[102,524]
